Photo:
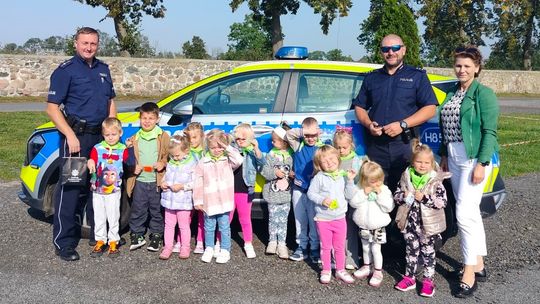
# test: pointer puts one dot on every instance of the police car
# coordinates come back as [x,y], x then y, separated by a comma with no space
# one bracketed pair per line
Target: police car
[263,94]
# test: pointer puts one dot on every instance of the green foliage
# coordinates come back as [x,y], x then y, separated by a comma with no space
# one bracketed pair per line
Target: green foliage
[390,17]
[195,49]
[332,55]
[249,41]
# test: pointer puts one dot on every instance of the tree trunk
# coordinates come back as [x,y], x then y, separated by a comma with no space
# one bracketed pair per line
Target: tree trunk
[277,35]
[527,52]
[121,33]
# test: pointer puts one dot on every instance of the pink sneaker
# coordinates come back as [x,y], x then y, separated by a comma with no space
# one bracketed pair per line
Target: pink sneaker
[428,288]
[407,283]
[184,252]
[344,276]
[199,248]
[165,253]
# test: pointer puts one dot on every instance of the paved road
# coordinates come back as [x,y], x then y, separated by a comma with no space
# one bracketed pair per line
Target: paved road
[508,105]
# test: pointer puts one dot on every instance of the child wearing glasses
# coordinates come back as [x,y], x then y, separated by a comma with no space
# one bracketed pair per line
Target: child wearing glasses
[304,142]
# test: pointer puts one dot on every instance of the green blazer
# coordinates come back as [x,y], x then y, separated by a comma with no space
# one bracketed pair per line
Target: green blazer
[479,115]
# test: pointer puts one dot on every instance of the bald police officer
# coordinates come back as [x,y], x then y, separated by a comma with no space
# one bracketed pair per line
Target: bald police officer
[83,85]
[398,98]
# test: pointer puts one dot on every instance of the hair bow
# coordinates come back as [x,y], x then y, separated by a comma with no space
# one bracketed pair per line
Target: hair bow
[344,129]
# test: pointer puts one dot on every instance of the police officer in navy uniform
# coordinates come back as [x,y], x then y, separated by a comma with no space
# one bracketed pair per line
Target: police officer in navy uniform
[83,85]
[398,97]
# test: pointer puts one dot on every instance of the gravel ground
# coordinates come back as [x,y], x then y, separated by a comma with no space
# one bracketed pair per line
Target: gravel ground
[31,273]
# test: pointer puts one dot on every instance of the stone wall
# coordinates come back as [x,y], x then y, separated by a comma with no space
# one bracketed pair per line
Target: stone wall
[24,75]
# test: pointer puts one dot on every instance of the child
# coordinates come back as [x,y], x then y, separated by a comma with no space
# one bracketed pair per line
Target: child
[244,181]
[421,187]
[326,191]
[213,192]
[106,160]
[304,142]
[150,145]
[176,197]
[373,203]
[343,142]
[195,134]
[277,171]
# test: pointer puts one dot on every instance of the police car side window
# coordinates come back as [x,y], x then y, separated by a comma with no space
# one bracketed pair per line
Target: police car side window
[326,92]
[243,94]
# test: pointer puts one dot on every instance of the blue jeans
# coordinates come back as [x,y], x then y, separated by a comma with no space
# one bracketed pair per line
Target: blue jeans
[304,214]
[223,226]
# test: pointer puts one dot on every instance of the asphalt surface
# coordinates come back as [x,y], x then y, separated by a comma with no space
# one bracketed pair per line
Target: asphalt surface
[31,273]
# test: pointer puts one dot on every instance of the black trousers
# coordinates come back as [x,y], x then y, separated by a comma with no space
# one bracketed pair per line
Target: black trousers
[392,154]
[146,201]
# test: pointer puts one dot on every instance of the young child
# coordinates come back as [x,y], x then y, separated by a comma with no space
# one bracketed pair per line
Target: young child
[343,142]
[106,166]
[277,170]
[213,192]
[195,134]
[304,142]
[373,203]
[176,196]
[421,187]
[326,191]
[244,181]
[150,146]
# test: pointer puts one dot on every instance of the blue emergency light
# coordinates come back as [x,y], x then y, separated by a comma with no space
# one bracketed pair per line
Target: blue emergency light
[292,52]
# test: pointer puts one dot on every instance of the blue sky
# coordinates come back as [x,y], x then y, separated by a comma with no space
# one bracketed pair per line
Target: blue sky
[208,19]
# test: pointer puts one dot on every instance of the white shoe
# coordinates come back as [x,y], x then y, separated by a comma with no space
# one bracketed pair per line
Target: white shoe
[176,247]
[363,272]
[207,255]
[217,249]
[199,248]
[271,247]
[282,251]
[325,277]
[344,276]
[250,251]
[223,257]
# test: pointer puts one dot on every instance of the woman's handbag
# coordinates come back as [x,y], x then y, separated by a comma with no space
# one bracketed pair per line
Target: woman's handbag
[74,171]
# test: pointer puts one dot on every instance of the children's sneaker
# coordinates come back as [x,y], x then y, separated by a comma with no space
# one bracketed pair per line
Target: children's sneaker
[165,253]
[271,247]
[113,249]
[184,252]
[315,256]
[428,288]
[407,283]
[98,249]
[223,257]
[344,276]
[217,249]
[363,272]
[299,255]
[250,251]
[176,247]
[282,251]
[376,278]
[207,255]
[199,248]
[137,241]
[325,278]
[155,242]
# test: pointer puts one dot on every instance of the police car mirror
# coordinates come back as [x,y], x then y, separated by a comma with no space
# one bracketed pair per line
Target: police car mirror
[184,108]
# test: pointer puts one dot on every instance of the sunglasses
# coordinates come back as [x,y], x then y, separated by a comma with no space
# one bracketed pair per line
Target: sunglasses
[311,135]
[469,50]
[394,48]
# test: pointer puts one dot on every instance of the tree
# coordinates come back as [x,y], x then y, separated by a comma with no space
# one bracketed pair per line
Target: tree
[317,55]
[194,49]
[11,48]
[390,17]
[270,11]
[452,23]
[337,55]
[127,15]
[33,46]
[249,41]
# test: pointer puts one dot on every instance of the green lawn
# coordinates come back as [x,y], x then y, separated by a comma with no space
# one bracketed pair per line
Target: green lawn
[516,159]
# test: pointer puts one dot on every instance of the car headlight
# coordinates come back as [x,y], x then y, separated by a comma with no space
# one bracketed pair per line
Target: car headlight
[35,143]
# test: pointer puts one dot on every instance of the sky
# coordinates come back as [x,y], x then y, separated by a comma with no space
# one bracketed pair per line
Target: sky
[208,19]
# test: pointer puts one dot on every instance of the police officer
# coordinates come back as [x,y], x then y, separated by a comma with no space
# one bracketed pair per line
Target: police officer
[83,85]
[398,97]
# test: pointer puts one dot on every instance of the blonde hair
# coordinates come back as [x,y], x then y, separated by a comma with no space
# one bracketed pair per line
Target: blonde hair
[194,126]
[217,135]
[419,148]
[247,129]
[370,170]
[112,122]
[310,122]
[343,134]
[179,141]
[322,152]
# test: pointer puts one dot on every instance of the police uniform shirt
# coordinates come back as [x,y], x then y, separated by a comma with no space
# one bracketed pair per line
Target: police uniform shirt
[84,90]
[391,98]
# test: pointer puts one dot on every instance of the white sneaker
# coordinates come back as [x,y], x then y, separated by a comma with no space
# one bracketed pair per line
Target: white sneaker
[223,257]
[271,247]
[199,248]
[176,247]
[217,249]
[282,251]
[207,255]
[250,251]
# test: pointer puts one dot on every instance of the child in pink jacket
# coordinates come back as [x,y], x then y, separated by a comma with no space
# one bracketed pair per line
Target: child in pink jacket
[213,192]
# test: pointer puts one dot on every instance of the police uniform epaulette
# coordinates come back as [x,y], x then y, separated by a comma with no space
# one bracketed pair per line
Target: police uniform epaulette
[65,63]
[421,69]
[101,62]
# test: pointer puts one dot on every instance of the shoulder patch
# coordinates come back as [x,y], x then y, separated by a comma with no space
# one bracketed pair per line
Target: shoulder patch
[421,70]
[65,63]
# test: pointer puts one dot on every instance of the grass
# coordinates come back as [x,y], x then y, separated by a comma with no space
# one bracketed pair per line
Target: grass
[519,139]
